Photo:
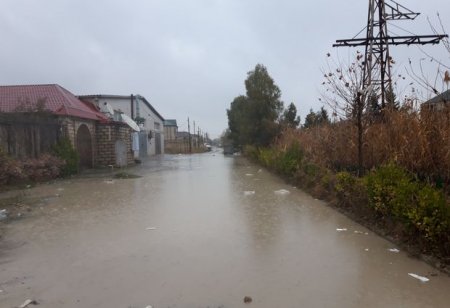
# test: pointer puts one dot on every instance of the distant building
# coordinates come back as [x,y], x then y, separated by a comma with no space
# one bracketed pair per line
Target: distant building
[438,103]
[170,130]
[151,123]
[35,117]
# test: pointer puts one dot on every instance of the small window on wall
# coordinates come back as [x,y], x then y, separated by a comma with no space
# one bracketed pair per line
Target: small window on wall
[117,116]
[157,126]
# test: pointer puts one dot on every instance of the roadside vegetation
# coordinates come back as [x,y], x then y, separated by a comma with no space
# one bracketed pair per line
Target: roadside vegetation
[386,167]
[62,161]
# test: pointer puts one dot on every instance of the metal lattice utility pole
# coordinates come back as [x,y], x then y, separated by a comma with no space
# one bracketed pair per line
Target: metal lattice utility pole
[377,60]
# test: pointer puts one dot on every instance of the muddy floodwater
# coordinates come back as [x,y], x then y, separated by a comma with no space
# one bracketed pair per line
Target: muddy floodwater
[201,231]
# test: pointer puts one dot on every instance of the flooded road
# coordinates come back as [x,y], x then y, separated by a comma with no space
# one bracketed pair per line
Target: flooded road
[201,231]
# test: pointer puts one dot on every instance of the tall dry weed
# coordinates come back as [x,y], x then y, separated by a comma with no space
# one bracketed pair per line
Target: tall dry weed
[419,142]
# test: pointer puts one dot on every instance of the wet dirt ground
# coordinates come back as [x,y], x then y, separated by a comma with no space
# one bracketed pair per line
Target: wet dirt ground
[200,231]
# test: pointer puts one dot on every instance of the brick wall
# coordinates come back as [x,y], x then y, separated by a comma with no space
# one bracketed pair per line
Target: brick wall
[107,136]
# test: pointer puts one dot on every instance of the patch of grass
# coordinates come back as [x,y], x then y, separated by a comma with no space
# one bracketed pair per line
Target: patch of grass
[126,175]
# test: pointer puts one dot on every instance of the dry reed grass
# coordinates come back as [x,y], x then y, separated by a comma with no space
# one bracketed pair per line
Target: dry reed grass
[419,142]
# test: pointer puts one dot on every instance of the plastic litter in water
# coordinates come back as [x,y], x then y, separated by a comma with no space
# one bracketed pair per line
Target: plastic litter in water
[282,192]
[150,228]
[28,302]
[358,232]
[367,249]
[249,192]
[3,214]
[249,174]
[341,229]
[260,170]
[421,278]
[109,182]
[394,250]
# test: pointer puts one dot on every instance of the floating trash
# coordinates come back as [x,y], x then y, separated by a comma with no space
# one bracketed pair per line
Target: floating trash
[341,229]
[248,299]
[28,302]
[260,170]
[282,192]
[367,249]
[358,232]
[3,214]
[109,182]
[150,228]
[249,174]
[249,193]
[395,250]
[421,278]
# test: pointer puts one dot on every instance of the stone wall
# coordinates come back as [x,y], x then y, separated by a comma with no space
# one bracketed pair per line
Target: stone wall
[107,136]
[71,126]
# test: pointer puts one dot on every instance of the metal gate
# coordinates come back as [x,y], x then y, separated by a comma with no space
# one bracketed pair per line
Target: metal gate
[157,143]
[121,153]
[84,146]
[143,144]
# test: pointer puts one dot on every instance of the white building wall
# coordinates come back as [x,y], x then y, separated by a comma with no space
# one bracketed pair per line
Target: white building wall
[153,123]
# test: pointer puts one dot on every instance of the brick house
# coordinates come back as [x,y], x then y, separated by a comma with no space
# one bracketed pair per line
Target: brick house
[35,117]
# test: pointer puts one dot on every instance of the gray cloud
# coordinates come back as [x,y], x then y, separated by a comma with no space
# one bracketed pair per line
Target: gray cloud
[189,58]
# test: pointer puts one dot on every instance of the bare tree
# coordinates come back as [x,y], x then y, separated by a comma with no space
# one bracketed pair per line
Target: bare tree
[439,80]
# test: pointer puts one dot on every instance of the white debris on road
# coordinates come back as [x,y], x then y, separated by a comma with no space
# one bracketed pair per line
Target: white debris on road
[421,278]
[282,192]
[341,229]
[395,250]
[28,302]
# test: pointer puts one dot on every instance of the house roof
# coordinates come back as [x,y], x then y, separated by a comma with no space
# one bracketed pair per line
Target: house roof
[170,123]
[443,97]
[106,96]
[55,98]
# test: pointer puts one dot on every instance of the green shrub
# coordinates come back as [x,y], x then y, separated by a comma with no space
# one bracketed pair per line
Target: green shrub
[350,190]
[391,191]
[288,161]
[420,207]
[267,157]
[344,183]
[64,150]
[431,214]
[251,151]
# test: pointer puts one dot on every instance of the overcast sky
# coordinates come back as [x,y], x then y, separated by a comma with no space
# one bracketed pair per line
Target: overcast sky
[187,57]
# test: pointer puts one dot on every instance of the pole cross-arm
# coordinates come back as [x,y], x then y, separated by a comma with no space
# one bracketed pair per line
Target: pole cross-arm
[396,11]
[392,40]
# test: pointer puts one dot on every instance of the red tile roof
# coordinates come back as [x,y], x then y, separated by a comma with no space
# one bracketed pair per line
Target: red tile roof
[57,100]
